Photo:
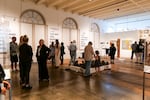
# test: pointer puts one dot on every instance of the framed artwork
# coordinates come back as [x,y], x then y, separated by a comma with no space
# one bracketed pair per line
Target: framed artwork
[126,44]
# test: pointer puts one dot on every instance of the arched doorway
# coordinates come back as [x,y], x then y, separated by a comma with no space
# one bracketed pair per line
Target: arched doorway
[95,35]
[69,33]
[32,24]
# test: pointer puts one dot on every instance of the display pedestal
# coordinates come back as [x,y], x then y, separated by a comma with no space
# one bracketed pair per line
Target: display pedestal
[92,70]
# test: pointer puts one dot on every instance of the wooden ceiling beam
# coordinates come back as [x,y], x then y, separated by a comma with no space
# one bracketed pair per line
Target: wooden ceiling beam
[92,5]
[139,6]
[121,9]
[55,2]
[114,11]
[39,1]
[117,6]
[67,4]
[86,5]
[105,7]
[125,12]
[70,8]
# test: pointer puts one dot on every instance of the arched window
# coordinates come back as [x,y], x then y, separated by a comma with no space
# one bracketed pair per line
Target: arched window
[70,23]
[95,36]
[69,33]
[95,28]
[32,17]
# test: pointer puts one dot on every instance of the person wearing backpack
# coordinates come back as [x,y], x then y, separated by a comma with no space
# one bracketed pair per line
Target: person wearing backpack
[72,49]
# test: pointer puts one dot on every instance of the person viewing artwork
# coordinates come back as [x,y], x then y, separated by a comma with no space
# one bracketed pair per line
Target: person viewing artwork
[73,49]
[133,47]
[25,58]
[112,53]
[42,54]
[13,53]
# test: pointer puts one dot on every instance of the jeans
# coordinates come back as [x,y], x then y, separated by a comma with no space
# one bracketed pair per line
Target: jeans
[87,68]
[73,57]
[132,53]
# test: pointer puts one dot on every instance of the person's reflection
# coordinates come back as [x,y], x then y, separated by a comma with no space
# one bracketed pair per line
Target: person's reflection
[87,83]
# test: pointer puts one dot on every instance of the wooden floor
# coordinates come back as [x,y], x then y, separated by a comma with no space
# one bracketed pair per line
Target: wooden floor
[123,82]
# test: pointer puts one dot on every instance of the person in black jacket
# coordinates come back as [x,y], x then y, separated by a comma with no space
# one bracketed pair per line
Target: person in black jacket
[112,53]
[42,56]
[62,52]
[25,57]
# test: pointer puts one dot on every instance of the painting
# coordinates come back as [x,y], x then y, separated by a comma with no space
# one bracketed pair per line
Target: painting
[126,44]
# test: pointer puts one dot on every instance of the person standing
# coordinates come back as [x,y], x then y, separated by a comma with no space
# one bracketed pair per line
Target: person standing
[97,61]
[13,53]
[57,54]
[141,52]
[20,67]
[88,55]
[112,53]
[25,57]
[72,49]
[42,56]
[133,47]
[62,52]
[52,53]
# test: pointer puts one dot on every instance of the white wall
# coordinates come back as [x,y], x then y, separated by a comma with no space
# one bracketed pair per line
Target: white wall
[131,35]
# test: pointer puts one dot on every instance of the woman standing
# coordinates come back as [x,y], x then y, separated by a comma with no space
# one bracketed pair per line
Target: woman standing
[42,55]
[25,57]
[57,53]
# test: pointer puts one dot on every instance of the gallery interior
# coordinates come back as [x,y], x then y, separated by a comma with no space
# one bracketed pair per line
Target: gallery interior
[103,22]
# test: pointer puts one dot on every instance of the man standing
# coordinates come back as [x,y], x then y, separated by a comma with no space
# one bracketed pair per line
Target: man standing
[13,53]
[88,55]
[62,52]
[72,49]
[133,47]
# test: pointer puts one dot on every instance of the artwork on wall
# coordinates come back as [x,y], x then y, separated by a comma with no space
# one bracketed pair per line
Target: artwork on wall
[53,34]
[83,40]
[126,44]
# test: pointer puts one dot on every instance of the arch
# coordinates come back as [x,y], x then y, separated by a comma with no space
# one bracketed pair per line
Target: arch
[32,17]
[95,28]
[69,23]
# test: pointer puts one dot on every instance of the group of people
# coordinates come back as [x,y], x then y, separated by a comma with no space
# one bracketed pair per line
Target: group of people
[138,50]
[55,52]
[25,59]
[89,54]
